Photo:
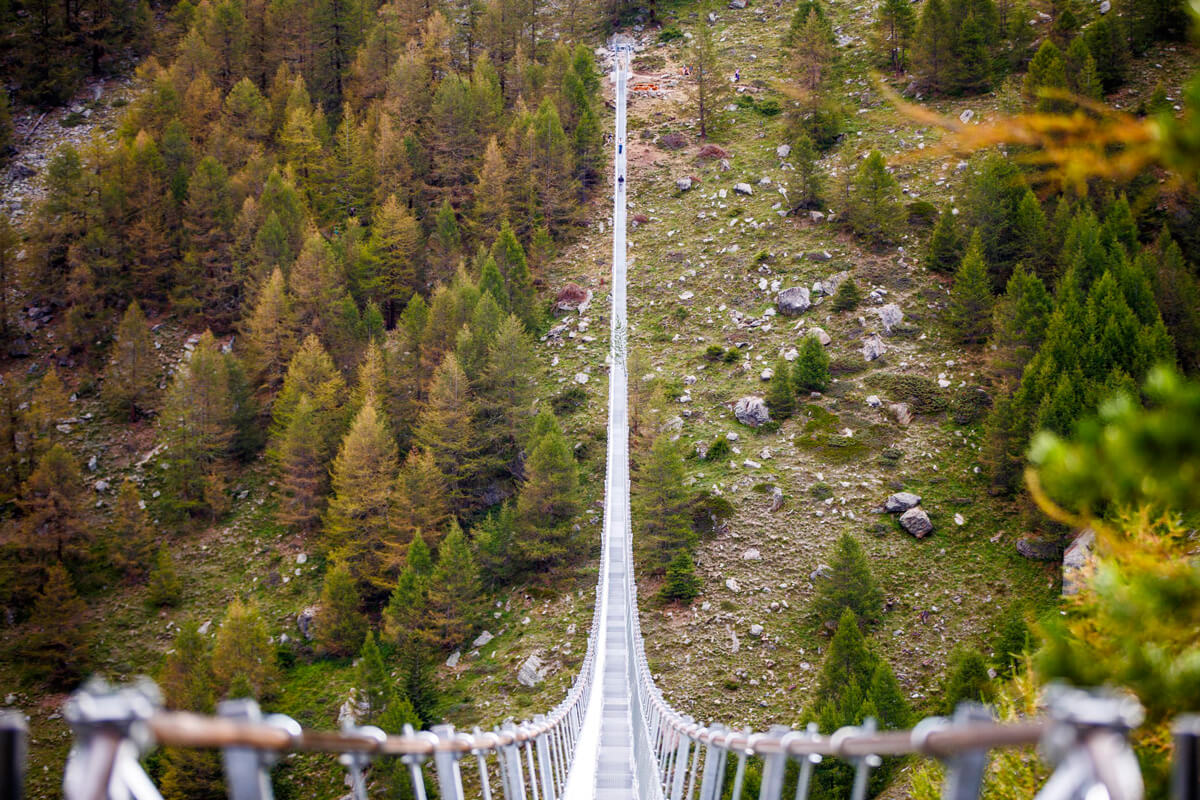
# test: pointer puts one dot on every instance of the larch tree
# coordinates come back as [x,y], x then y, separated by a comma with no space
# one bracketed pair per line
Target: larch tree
[197,421]
[475,339]
[243,653]
[163,587]
[421,502]
[507,391]
[208,285]
[56,642]
[130,538]
[446,429]
[269,333]
[374,684]
[359,525]
[187,683]
[933,44]
[707,83]
[48,406]
[302,469]
[52,528]
[491,194]
[311,372]
[548,503]
[661,503]
[397,244]
[340,625]
[895,25]
[131,379]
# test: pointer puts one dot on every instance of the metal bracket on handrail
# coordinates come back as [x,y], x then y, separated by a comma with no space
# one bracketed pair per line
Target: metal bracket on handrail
[110,736]
[247,769]
[964,770]
[14,749]
[808,763]
[862,764]
[1088,743]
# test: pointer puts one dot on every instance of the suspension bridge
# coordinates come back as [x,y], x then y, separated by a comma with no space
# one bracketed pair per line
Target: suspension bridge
[613,736]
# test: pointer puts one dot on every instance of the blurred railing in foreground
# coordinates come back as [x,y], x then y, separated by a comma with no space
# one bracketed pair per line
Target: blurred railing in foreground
[1083,735]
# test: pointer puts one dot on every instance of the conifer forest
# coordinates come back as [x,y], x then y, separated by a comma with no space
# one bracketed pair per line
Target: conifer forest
[304,316]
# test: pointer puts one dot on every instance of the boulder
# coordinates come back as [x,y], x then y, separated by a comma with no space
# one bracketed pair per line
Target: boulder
[822,572]
[737,4]
[1077,562]
[756,630]
[776,498]
[570,297]
[1038,549]
[902,413]
[751,410]
[822,337]
[712,151]
[452,661]
[581,378]
[683,184]
[101,485]
[532,671]
[829,286]
[673,425]
[205,628]
[752,555]
[890,316]
[306,621]
[1105,7]
[819,255]
[766,374]
[873,347]
[18,347]
[873,401]
[482,639]
[743,188]
[816,216]
[791,355]
[793,301]
[966,116]
[732,585]
[673,141]
[916,522]
[900,502]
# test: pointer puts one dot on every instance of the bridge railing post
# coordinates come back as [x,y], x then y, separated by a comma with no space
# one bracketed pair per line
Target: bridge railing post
[510,755]
[714,758]
[774,766]
[545,767]
[14,749]
[679,763]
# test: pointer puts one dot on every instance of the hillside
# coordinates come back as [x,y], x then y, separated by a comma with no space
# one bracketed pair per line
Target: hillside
[389,246]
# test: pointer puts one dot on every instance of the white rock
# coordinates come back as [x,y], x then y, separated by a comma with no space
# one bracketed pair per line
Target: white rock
[482,639]
[756,630]
[873,401]
[732,585]
[743,188]
[752,555]
[452,661]
[581,378]
[783,151]
[873,347]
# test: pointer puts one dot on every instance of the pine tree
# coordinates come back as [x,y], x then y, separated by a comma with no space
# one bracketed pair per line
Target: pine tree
[243,651]
[1030,233]
[849,585]
[55,646]
[892,711]
[1047,73]
[269,334]
[445,429]
[131,379]
[340,625]
[970,307]
[1108,48]
[681,583]
[661,505]
[945,245]
[847,296]
[875,212]
[849,660]
[445,243]
[967,680]
[164,587]
[493,537]
[373,681]
[547,506]
[453,589]
[1012,643]
[358,525]
[518,281]
[971,68]
[1082,74]
[1019,321]
[507,392]
[811,372]
[475,339]
[781,393]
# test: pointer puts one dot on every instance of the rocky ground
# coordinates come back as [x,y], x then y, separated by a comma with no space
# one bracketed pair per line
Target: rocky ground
[93,112]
